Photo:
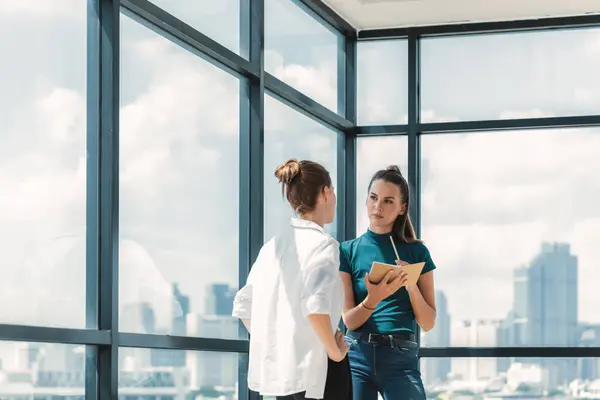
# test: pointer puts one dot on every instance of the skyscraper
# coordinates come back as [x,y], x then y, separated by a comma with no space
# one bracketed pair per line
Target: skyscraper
[437,370]
[180,309]
[219,299]
[545,301]
[545,306]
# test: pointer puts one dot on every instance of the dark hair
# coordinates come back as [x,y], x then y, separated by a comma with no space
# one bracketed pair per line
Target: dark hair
[302,182]
[402,229]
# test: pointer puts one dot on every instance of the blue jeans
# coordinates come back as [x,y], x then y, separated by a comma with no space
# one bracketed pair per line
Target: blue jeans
[389,370]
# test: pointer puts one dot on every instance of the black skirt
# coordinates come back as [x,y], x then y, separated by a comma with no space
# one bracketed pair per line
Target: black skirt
[338,385]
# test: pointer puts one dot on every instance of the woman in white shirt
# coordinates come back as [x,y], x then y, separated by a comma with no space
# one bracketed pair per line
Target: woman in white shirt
[293,298]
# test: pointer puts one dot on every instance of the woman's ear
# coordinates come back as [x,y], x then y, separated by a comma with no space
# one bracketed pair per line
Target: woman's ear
[326,193]
[402,209]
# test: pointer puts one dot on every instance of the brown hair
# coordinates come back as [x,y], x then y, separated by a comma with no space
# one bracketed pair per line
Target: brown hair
[402,229]
[302,182]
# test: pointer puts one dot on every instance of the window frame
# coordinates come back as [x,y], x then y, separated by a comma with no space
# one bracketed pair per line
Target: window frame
[101,336]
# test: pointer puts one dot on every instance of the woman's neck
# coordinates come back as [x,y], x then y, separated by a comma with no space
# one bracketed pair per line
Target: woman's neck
[380,229]
[314,218]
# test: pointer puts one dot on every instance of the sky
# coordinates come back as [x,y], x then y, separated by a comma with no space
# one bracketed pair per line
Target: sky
[489,199]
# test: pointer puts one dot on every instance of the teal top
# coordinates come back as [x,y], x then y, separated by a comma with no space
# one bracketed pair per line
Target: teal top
[394,314]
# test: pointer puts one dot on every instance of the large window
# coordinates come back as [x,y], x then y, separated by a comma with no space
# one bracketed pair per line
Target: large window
[382,81]
[175,374]
[373,154]
[42,371]
[130,146]
[512,219]
[289,134]
[480,378]
[522,75]
[43,165]
[220,20]
[301,51]
[178,264]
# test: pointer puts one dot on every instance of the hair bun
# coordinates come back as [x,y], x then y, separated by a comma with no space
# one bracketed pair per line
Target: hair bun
[287,171]
[393,168]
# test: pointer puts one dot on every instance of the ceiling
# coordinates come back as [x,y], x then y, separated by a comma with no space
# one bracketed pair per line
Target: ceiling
[371,14]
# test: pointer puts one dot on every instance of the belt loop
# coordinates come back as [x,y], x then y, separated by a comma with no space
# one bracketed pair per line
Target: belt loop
[392,341]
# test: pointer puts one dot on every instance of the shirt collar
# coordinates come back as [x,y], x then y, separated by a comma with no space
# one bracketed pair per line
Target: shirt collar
[304,223]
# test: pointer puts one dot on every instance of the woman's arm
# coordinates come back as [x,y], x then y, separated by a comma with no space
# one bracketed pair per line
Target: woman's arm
[422,299]
[318,279]
[336,349]
[356,315]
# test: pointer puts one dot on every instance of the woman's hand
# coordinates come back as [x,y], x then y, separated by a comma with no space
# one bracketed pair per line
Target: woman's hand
[342,348]
[391,282]
[409,288]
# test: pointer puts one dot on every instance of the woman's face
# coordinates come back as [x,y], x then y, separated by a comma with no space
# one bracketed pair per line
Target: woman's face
[384,203]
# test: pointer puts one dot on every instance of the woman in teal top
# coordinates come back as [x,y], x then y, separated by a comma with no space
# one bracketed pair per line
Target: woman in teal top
[382,319]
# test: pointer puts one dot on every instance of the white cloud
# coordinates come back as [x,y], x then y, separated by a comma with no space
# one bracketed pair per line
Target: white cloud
[533,113]
[65,110]
[489,201]
[317,81]
[44,199]
[40,9]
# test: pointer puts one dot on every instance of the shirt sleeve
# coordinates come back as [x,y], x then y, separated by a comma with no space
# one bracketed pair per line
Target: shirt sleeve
[321,273]
[344,260]
[242,302]
[429,264]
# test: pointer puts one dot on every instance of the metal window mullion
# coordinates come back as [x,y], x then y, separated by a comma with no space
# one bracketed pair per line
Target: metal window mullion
[251,158]
[102,195]
[346,144]
[414,140]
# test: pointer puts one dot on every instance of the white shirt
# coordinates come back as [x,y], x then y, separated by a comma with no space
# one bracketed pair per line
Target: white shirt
[295,274]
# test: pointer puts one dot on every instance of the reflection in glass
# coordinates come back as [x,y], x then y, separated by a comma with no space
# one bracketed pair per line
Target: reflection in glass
[43,164]
[483,378]
[177,374]
[523,75]
[219,20]
[289,134]
[301,52]
[513,220]
[373,154]
[42,371]
[382,82]
[178,266]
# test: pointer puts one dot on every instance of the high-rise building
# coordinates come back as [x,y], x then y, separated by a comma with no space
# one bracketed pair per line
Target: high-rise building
[545,307]
[219,299]
[179,314]
[475,333]
[436,370]
[181,308]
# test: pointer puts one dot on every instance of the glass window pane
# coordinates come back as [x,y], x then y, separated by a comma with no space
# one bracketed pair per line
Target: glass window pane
[301,52]
[42,371]
[373,154]
[219,20]
[43,164]
[178,374]
[510,378]
[523,75]
[178,264]
[514,217]
[382,82]
[289,134]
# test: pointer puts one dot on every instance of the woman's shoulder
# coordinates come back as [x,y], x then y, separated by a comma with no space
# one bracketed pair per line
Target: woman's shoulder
[418,248]
[348,246]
